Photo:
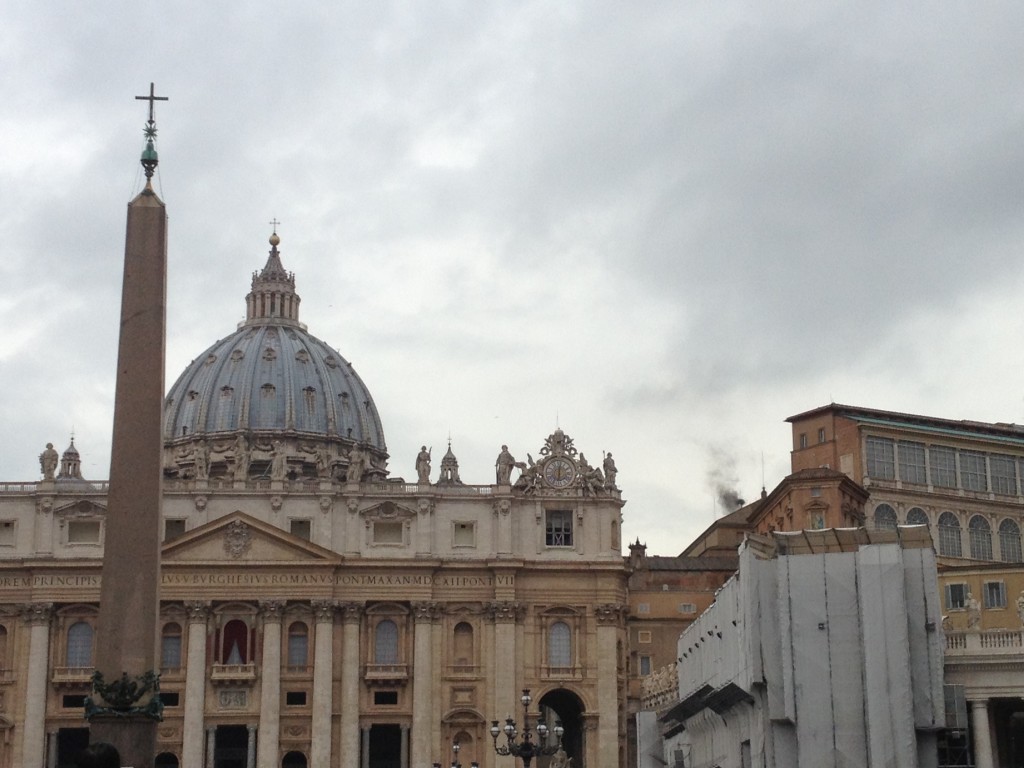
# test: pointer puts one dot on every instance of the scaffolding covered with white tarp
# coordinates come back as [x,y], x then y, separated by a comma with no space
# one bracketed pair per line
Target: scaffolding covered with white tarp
[824,650]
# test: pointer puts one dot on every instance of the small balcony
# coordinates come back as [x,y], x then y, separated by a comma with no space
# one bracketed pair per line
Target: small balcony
[548,672]
[386,674]
[72,677]
[233,674]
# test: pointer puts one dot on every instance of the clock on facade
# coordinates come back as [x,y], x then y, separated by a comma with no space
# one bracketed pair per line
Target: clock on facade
[559,472]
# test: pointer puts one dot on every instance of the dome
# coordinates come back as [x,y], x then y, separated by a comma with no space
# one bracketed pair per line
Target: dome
[272,379]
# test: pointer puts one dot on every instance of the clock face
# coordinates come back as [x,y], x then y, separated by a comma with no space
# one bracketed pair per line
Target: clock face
[559,473]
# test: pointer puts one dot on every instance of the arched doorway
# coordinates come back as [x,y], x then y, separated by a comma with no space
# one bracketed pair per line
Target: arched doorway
[165,760]
[294,760]
[566,707]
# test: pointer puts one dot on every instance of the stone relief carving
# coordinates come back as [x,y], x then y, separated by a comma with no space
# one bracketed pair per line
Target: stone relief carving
[505,611]
[610,613]
[271,610]
[198,611]
[502,507]
[426,611]
[37,613]
[237,538]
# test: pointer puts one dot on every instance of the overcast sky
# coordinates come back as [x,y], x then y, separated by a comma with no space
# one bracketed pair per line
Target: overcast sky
[664,227]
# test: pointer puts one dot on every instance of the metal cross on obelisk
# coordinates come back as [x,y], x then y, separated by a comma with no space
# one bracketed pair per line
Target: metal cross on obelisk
[125,706]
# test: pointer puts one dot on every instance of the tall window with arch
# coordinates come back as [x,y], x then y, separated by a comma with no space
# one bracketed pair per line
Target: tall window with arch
[235,642]
[1009,541]
[981,538]
[885,517]
[298,645]
[917,516]
[79,650]
[385,642]
[170,646]
[559,645]
[462,645]
[950,544]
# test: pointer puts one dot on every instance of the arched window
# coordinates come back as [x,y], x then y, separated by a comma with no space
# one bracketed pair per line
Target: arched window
[885,517]
[917,516]
[170,646]
[981,538]
[949,536]
[298,645]
[294,760]
[165,760]
[1009,541]
[559,645]
[79,651]
[385,643]
[235,645]
[463,644]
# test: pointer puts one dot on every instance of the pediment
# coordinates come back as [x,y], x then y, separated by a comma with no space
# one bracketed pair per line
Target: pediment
[387,510]
[239,537]
[80,508]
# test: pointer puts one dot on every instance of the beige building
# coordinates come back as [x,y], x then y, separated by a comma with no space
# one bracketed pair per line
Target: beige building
[315,610]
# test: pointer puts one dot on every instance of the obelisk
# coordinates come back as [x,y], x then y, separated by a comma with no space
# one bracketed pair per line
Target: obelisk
[127,632]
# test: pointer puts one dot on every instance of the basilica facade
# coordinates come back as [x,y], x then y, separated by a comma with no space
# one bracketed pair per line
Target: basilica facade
[315,610]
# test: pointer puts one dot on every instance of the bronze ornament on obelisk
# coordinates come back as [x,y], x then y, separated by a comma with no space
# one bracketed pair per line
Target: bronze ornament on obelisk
[125,706]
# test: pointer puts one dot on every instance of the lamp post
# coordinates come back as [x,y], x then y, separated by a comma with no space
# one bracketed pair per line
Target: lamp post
[526,748]
[455,758]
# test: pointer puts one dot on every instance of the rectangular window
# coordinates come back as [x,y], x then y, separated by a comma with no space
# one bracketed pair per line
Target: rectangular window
[803,439]
[1003,470]
[463,535]
[300,529]
[387,533]
[643,607]
[942,463]
[912,463]
[73,701]
[7,533]
[170,698]
[995,594]
[173,528]
[558,532]
[295,698]
[385,698]
[972,471]
[821,435]
[881,459]
[645,665]
[84,532]
[956,597]
[643,636]
[687,608]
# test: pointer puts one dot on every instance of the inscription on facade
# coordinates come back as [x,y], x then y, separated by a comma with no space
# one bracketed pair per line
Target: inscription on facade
[40,581]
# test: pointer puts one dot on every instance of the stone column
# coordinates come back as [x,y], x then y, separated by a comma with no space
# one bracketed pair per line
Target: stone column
[323,683]
[506,693]
[270,684]
[609,623]
[403,758]
[211,746]
[51,749]
[351,613]
[365,763]
[195,685]
[33,743]
[250,747]
[422,684]
[981,735]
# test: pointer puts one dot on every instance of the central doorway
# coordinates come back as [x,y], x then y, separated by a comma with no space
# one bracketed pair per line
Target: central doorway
[385,746]
[230,746]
